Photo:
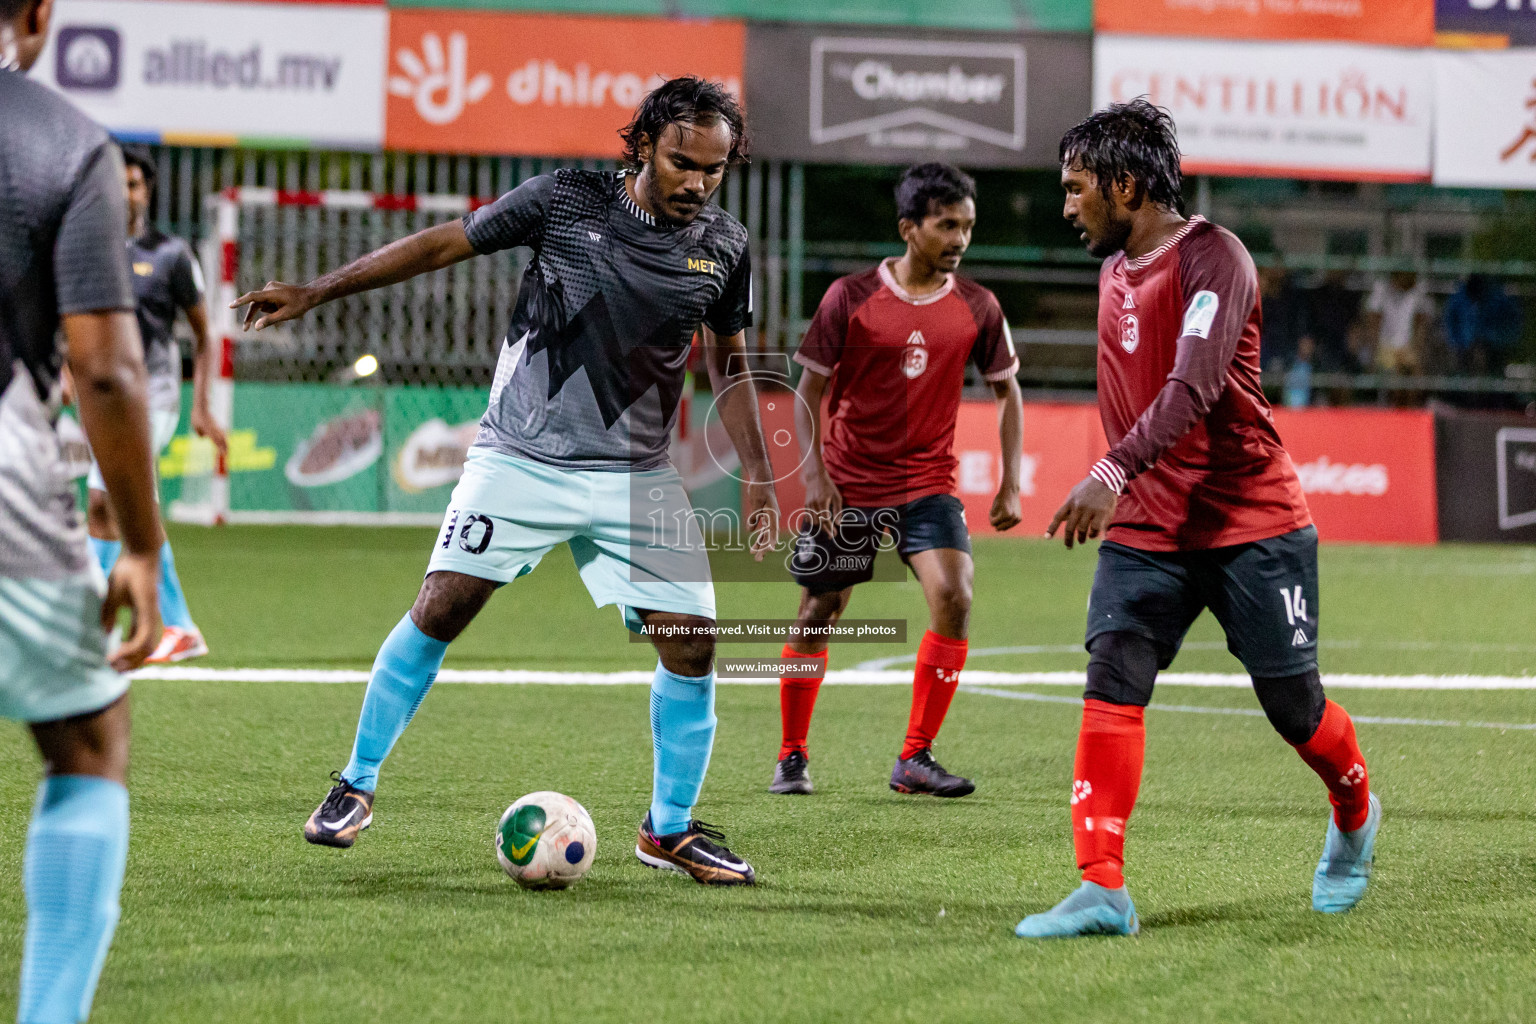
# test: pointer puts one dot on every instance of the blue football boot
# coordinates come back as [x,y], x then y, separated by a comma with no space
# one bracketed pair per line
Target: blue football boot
[1091,910]
[1345,867]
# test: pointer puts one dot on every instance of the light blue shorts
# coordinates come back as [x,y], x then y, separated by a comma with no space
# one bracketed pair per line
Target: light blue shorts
[53,652]
[162,427]
[633,535]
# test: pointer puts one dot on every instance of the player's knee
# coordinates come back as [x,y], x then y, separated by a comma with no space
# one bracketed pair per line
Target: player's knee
[692,657]
[1122,668]
[98,516]
[448,602]
[1294,705]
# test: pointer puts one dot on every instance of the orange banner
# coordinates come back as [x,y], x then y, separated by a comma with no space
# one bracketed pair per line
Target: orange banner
[1393,22]
[538,85]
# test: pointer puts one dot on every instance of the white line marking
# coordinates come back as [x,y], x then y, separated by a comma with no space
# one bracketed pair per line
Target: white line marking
[844,677]
[1051,698]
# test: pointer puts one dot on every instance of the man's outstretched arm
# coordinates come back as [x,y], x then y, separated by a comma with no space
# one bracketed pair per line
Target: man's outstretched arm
[739,413]
[431,249]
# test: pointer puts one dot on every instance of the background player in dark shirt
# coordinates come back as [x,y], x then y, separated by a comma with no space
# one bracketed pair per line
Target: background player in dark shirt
[1201,507]
[573,446]
[894,342]
[62,264]
[166,282]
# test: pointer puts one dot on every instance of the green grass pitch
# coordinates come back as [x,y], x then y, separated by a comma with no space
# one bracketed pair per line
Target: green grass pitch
[871,906]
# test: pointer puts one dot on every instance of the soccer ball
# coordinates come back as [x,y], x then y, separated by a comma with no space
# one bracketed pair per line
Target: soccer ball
[546,841]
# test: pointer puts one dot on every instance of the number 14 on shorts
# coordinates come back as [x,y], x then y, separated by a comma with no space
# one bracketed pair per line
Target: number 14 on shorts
[1295,612]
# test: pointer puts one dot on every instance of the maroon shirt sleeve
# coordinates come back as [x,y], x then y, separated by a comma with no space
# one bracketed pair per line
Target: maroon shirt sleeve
[823,344]
[993,352]
[1220,288]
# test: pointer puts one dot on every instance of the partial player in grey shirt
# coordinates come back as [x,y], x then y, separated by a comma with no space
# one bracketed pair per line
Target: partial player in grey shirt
[62,264]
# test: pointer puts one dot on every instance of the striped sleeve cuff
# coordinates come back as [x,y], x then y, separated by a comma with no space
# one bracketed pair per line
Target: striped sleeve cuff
[811,364]
[1108,472]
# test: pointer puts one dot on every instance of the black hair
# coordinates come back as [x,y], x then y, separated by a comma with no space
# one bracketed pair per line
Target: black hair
[924,186]
[691,101]
[1129,140]
[11,9]
[138,155]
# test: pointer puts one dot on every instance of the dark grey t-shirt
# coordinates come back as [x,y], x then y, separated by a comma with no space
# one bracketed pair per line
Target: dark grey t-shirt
[593,366]
[165,282]
[63,242]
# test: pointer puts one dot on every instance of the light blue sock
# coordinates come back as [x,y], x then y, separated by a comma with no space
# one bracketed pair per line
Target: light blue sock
[72,873]
[106,553]
[683,732]
[402,674]
[173,603]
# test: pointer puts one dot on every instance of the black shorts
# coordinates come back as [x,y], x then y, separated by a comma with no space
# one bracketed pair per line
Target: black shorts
[823,564]
[1263,593]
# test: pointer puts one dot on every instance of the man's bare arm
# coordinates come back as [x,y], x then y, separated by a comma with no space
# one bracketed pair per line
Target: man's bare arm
[738,410]
[106,360]
[822,498]
[431,249]
[1005,513]
[203,423]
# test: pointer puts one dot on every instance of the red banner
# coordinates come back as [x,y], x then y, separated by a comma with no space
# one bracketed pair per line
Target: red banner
[471,82]
[1369,474]
[1394,22]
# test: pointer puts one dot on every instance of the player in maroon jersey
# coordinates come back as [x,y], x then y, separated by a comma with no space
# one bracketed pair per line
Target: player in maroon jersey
[1200,508]
[894,342]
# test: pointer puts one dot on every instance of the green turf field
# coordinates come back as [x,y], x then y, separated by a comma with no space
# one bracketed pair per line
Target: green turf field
[871,906]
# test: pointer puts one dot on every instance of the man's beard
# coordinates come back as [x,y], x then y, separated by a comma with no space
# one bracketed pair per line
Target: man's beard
[1116,234]
[658,200]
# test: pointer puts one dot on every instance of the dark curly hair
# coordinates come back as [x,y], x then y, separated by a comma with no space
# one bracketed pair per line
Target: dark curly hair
[691,101]
[138,155]
[926,185]
[1129,140]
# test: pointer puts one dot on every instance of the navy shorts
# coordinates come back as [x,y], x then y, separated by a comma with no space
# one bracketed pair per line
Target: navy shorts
[823,564]
[1263,593]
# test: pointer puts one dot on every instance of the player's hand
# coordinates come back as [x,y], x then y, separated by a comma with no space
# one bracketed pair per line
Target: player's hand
[1085,513]
[824,502]
[204,425]
[1006,514]
[274,304]
[132,585]
[762,519]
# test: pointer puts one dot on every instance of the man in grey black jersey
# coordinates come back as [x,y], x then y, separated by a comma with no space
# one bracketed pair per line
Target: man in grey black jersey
[166,282]
[573,448]
[63,264]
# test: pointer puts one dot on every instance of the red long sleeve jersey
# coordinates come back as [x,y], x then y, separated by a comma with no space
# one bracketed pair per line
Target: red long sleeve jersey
[897,364]
[1190,430]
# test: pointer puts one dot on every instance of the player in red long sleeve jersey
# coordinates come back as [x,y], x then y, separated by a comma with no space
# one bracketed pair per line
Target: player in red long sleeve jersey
[1199,506]
[893,342]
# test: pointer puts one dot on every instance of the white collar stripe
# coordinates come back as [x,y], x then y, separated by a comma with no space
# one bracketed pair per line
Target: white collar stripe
[1143,262]
[632,206]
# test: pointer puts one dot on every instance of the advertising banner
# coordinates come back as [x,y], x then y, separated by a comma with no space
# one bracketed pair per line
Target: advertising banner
[1308,110]
[1368,474]
[1487,477]
[886,96]
[463,82]
[1393,22]
[1485,23]
[196,73]
[1490,142]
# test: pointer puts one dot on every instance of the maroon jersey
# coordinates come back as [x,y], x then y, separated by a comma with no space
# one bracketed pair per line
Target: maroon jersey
[1193,444]
[897,364]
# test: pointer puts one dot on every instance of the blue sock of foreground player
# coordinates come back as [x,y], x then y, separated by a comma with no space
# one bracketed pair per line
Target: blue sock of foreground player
[173,603]
[106,552]
[683,732]
[402,674]
[72,873]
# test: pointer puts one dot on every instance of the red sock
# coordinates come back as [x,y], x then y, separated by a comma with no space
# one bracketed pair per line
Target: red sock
[797,699]
[939,661]
[1333,753]
[1105,780]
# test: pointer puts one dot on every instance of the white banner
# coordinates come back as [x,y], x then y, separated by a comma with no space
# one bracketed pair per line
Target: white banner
[219,72]
[1320,110]
[1486,134]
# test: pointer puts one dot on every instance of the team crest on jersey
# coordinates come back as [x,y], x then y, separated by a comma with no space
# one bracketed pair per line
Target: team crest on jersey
[915,359]
[1130,332]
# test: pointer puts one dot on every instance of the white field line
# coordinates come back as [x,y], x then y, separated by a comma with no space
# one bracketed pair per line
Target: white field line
[854,677]
[1051,698]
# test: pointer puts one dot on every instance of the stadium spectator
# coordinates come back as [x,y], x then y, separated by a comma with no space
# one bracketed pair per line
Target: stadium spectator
[1482,324]
[1298,379]
[1332,311]
[1285,317]
[1397,322]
